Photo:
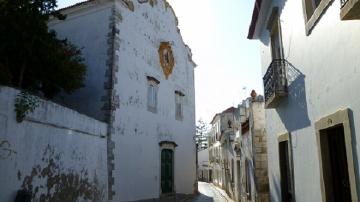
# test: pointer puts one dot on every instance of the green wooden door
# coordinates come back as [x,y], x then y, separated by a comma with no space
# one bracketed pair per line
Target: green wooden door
[166,171]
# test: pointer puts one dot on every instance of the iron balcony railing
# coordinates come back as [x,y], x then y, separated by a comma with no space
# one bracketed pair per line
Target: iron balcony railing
[343,2]
[275,82]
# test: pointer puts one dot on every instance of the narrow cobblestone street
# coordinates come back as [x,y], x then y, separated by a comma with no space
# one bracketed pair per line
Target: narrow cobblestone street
[210,193]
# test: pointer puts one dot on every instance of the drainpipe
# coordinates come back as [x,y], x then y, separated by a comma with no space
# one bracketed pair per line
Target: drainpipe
[196,191]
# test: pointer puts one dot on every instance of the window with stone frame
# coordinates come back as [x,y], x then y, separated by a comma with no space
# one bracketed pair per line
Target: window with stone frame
[152,91]
[179,105]
[313,10]
[310,7]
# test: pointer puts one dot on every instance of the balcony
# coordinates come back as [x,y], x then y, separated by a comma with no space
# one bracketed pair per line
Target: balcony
[350,9]
[275,83]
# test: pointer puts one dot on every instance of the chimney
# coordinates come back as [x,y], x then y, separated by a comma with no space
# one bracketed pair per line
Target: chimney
[253,95]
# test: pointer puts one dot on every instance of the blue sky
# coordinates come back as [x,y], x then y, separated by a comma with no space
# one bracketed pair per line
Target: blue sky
[228,63]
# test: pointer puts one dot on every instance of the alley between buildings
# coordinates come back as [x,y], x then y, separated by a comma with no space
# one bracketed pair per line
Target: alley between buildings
[210,193]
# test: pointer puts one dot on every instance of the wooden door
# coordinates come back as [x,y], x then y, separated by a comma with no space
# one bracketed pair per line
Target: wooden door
[167,171]
[285,172]
[335,167]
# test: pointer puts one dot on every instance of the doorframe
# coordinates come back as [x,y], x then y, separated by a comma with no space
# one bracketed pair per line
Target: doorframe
[283,137]
[171,146]
[341,117]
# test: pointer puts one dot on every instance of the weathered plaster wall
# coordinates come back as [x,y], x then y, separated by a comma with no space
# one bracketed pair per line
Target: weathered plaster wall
[56,153]
[247,155]
[121,42]
[259,150]
[325,69]
[88,29]
[137,130]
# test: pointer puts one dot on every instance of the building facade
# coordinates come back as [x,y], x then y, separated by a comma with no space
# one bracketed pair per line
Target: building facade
[309,54]
[221,149]
[252,183]
[204,174]
[140,80]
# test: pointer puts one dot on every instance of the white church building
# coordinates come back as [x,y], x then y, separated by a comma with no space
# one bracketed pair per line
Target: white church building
[140,80]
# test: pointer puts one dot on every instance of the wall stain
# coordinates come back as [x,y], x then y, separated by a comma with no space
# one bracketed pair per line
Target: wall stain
[153,2]
[5,149]
[134,101]
[60,184]
[129,4]
[19,175]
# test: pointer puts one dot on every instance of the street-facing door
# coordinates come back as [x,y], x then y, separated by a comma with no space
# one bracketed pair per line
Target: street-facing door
[335,166]
[167,171]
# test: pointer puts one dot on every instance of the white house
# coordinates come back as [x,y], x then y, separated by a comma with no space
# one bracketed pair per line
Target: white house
[221,149]
[140,80]
[311,67]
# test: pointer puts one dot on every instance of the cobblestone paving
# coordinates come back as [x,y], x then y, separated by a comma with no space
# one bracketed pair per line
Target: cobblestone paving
[209,193]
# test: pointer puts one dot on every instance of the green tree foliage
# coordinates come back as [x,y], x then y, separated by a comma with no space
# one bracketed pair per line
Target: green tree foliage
[31,57]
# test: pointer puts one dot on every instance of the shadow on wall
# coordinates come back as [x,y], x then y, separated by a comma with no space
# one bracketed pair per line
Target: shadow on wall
[354,149]
[293,110]
[203,198]
[280,4]
[275,194]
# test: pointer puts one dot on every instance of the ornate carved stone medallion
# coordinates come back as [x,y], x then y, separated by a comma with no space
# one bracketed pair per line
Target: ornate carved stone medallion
[166,58]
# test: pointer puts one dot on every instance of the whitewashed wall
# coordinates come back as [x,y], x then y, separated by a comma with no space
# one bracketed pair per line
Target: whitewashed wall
[136,132]
[325,74]
[88,29]
[139,131]
[55,149]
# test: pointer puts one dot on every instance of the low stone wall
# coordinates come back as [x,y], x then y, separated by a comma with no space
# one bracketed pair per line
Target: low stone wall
[55,153]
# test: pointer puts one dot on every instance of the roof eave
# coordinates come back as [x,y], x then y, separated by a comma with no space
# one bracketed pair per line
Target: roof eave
[254,19]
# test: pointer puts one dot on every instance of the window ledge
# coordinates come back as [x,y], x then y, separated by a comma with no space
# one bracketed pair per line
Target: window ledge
[350,10]
[152,109]
[320,10]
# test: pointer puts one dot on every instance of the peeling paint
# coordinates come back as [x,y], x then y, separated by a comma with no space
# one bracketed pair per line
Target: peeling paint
[153,2]
[129,4]
[133,43]
[60,184]
[19,175]
[5,149]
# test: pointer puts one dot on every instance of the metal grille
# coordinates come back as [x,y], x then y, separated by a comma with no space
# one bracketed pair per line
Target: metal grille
[275,78]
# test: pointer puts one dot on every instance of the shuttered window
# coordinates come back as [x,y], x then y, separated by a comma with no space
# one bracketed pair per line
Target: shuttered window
[152,91]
